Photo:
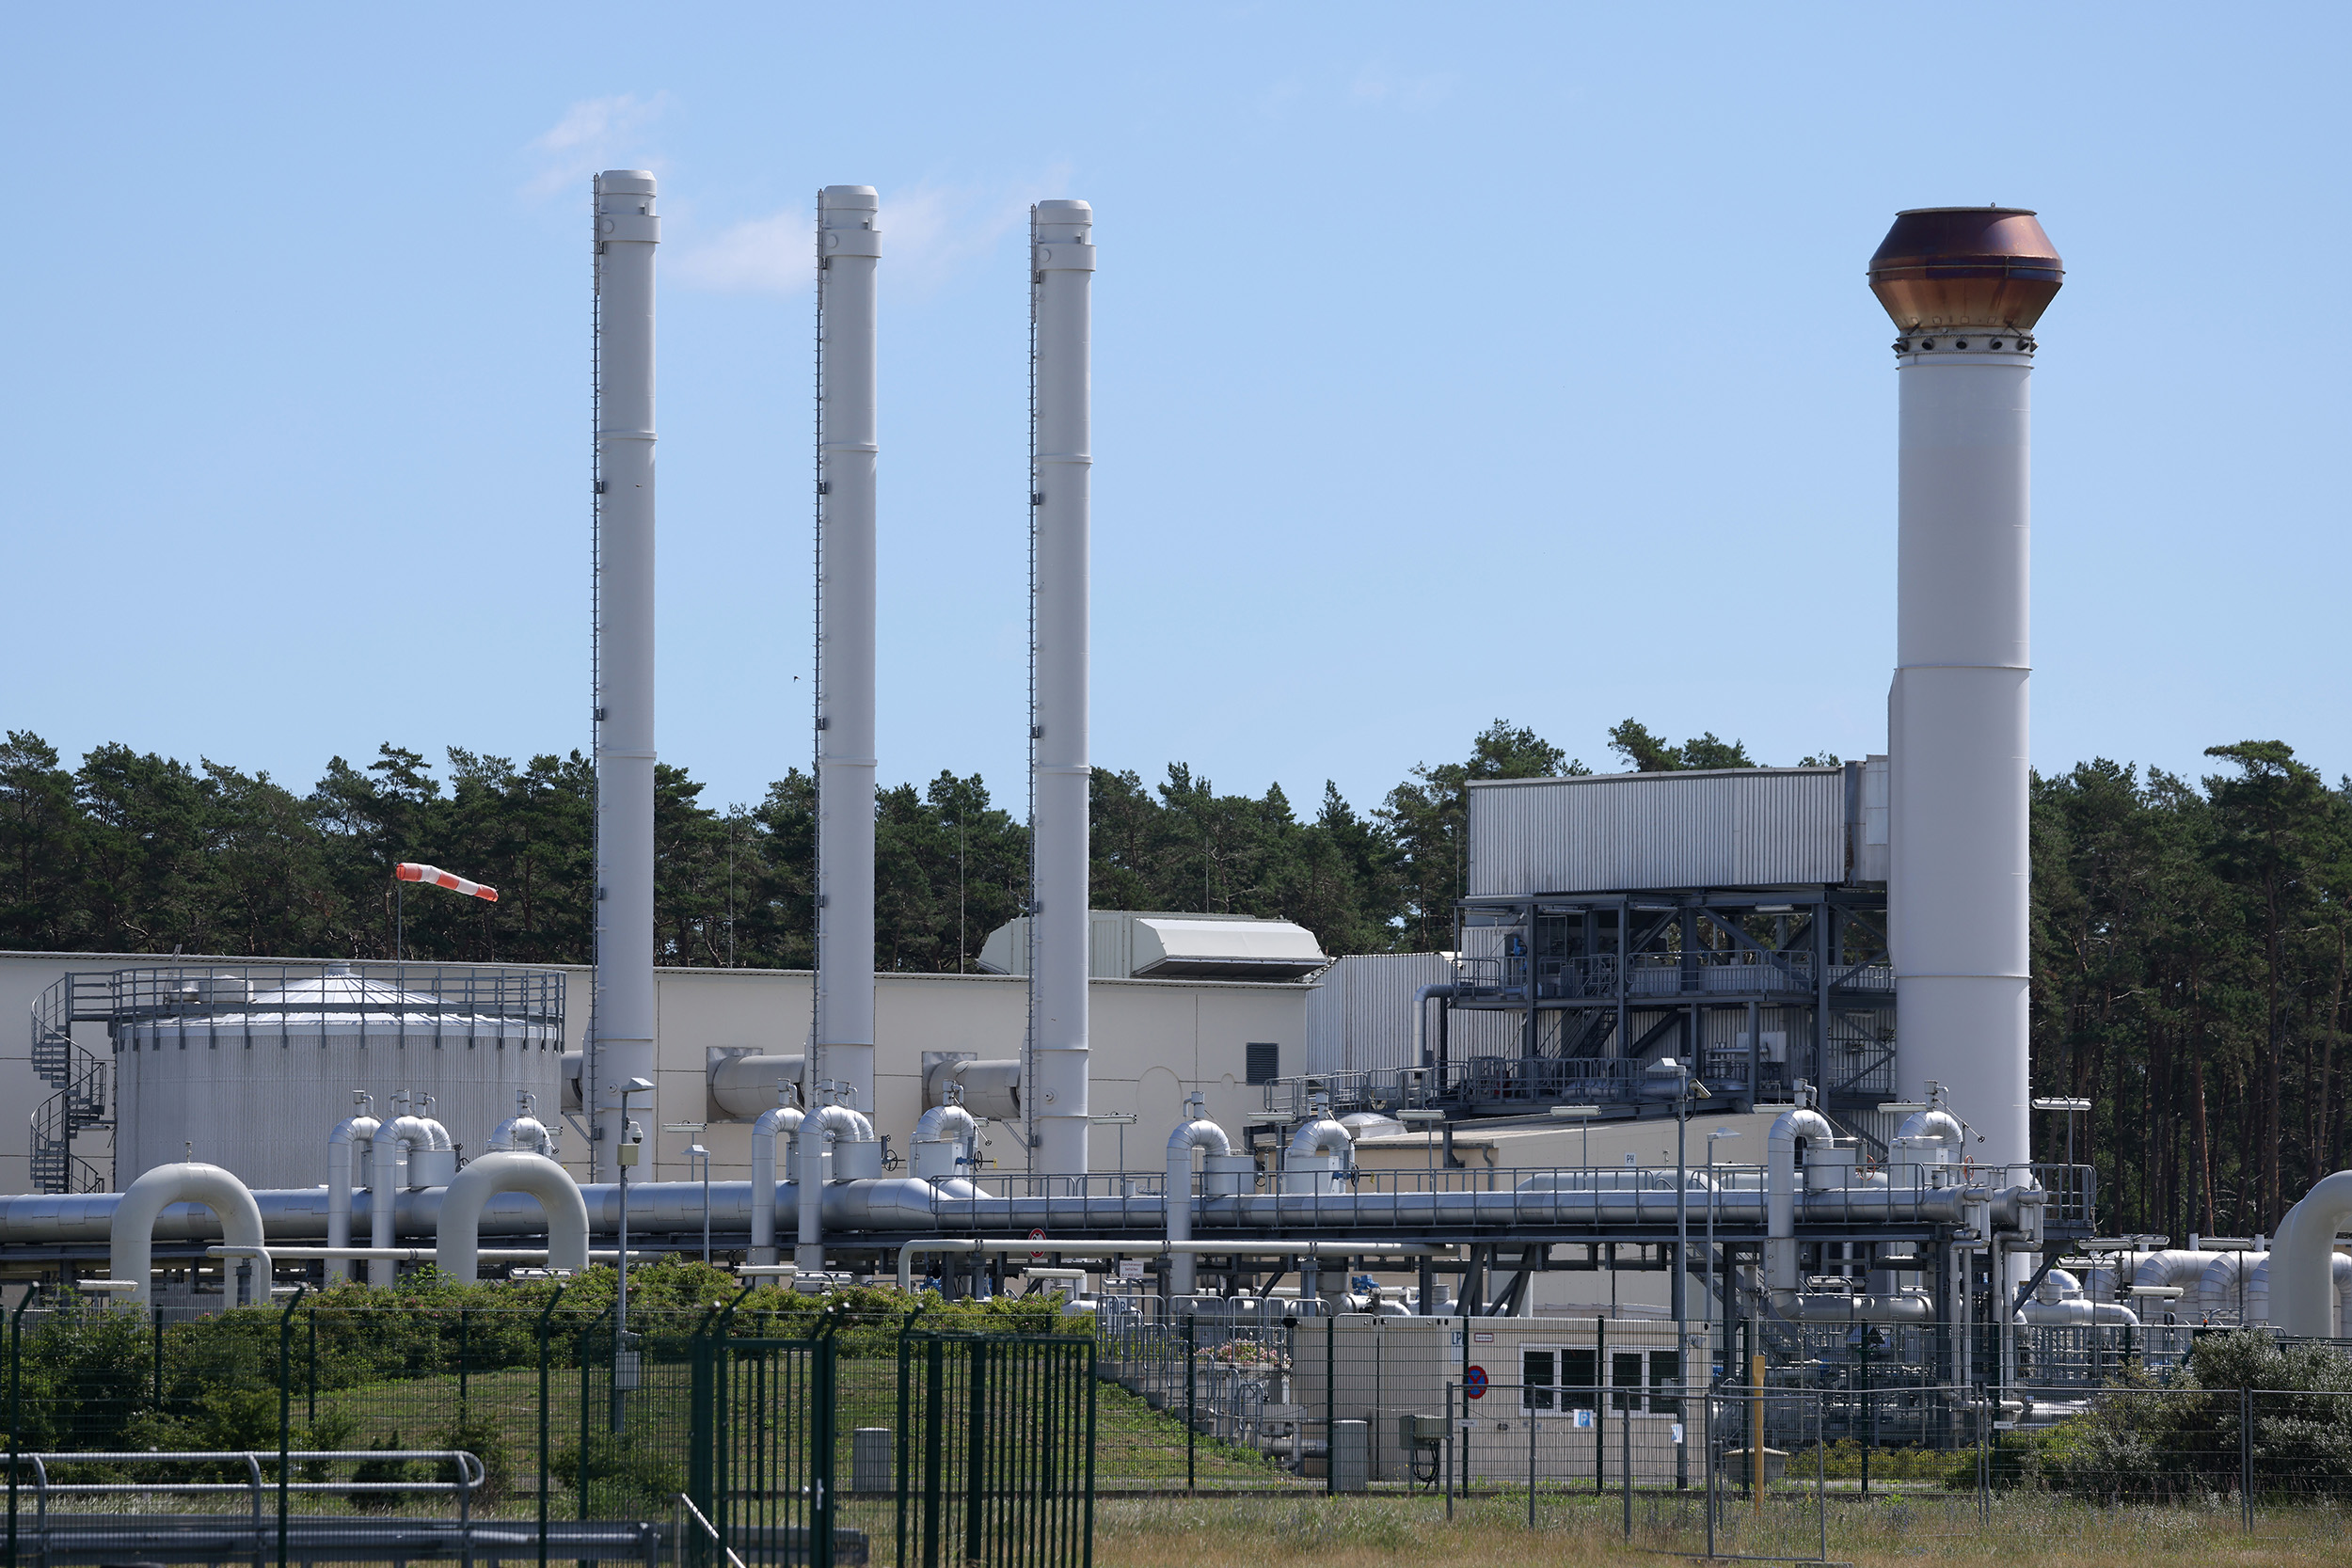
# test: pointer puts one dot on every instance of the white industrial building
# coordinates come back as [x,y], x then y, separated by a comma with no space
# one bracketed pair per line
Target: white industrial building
[1159,1041]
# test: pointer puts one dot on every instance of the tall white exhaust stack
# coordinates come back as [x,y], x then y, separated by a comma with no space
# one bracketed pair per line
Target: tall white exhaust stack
[848,249]
[621,1046]
[1061,283]
[1965,286]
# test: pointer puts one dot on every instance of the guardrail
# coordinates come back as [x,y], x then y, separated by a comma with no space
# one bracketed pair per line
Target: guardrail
[470,1474]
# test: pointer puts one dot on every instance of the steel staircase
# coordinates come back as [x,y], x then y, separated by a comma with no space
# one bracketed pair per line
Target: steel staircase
[79,1077]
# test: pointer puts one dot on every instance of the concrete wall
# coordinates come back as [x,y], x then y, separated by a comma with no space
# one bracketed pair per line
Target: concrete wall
[1155,1042]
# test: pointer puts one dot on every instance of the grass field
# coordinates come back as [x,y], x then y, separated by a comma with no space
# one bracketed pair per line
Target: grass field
[1395,1532]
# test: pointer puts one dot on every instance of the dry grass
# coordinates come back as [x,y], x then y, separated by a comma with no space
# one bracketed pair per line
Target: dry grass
[1393,1532]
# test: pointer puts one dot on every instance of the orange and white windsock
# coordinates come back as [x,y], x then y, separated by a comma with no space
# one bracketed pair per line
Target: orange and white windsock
[407,871]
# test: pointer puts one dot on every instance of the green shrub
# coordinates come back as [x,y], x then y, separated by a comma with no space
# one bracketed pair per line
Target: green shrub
[382,1470]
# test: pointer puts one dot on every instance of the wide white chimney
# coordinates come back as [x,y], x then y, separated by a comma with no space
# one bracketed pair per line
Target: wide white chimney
[1054,1084]
[848,249]
[1965,287]
[621,1041]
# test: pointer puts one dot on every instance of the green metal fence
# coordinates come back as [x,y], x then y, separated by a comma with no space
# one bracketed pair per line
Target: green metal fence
[1005,1474]
[801,1431]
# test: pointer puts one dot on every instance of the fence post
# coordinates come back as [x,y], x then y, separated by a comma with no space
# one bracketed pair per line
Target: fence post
[1625,1442]
[1093,1375]
[545,1313]
[1707,1452]
[465,1359]
[1529,1397]
[2245,1457]
[310,1375]
[1192,1413]
[285,1411]
[935,1406]
[1820,1465]
[1331,1405]
[976,1451]
[821,1518]
[1448,1451]
[901,1444]
[158,1315]
[16,1378]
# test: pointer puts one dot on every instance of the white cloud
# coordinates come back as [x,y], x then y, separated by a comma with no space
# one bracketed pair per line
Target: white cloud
[592,134]
[774,255]
[932,231]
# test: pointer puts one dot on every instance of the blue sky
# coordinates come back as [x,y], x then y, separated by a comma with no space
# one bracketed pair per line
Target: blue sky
[1451,363]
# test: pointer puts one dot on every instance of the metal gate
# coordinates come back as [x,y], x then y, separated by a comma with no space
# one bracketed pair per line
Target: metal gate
[997,1465]
[764,1455]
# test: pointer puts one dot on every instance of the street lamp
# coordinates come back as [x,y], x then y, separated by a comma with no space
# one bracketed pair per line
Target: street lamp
[625,1159]
[1122,1120]
[1685,1086]
[1713,1285]
[2072,1108]
[696,1152]
[1586,1115]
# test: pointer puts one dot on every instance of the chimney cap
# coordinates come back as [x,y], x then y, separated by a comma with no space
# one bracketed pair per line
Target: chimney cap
[1942,267]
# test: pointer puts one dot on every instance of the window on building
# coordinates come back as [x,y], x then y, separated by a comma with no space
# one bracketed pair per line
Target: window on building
[1537,1370]
[1625,1379]
[1579,1379]
[1264,1061]
[1665,1376]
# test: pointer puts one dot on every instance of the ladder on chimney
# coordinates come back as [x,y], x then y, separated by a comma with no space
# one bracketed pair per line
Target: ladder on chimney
[78,1076]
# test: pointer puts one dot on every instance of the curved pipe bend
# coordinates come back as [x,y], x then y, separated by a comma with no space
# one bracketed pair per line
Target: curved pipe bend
[776,1120]
[1206,1135]
[1780,1182]
[345,1165]
[131,1239]
[457,1251]
[2301,1274]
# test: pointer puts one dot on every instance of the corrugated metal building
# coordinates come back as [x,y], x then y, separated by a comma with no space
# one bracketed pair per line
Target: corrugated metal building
[1360,1016]
[1618,833]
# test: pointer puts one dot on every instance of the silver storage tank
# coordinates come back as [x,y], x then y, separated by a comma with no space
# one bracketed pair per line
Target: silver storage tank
[251,1067]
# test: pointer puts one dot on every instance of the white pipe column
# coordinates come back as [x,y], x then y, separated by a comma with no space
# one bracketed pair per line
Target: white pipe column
[849,252]
[1965,287]
[622,1045]
[1063,284]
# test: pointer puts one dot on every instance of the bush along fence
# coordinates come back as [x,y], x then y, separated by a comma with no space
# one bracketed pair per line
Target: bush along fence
[524,1422]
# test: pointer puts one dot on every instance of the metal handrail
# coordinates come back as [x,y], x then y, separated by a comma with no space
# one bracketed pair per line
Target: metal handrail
[470,1474]
[677,1534]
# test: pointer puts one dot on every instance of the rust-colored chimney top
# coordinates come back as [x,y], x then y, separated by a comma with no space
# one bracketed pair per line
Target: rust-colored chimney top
[1943,267]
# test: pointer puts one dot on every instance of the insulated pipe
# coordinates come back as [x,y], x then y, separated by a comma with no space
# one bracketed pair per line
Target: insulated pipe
[746,1085]
[1062,438]
[457,1252]
[621,1035]
[775,1119]
[1965,287]
[849,245]
[1932,1123]
[1320,1136]
[394,1141]
[1780,1180]
[950,1124]
[131,1231]
[343,1147]
[1199,1133]
[522,1130]
[2078,1313]
[2302,1270]
[826,1124]
[991,1088]
[1836,1306]
[1430,1058]
[904,1204]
